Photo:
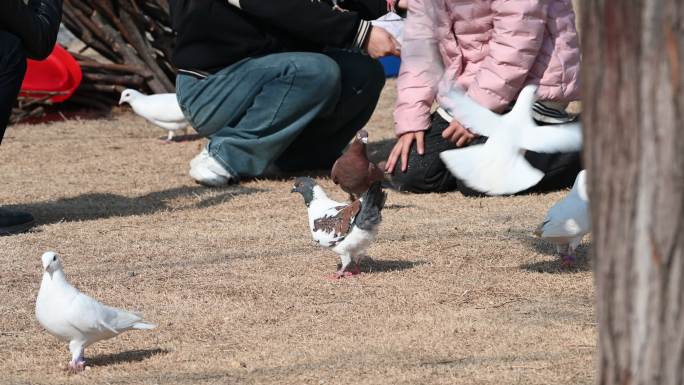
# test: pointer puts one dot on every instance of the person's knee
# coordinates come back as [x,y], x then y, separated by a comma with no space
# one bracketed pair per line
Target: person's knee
[12,53]
[321,73]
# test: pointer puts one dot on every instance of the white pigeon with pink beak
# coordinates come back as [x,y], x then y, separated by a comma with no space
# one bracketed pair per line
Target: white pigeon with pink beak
[76,318]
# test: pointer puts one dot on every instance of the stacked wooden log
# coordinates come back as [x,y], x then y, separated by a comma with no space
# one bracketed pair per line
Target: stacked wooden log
[125,44]
[134,41]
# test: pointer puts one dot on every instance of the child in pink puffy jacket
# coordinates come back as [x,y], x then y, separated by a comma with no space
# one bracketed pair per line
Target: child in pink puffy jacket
[491,49]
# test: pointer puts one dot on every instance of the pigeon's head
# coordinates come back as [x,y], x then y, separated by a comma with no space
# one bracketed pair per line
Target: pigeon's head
[51,262]
[128,95]
[362,136]
[305,186]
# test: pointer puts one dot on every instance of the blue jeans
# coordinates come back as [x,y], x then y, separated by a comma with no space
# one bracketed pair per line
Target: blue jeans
[297,110]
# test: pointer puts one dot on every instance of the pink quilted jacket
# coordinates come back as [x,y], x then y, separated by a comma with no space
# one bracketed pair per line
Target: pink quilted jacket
[491,48]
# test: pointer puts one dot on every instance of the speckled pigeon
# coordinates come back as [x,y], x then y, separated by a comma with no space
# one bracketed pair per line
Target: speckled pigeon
[346,229]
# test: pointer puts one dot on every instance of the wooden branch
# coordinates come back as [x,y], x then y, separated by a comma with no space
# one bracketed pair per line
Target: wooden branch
[123,80]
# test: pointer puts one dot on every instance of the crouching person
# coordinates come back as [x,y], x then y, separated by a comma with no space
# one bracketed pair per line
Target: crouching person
[276,84]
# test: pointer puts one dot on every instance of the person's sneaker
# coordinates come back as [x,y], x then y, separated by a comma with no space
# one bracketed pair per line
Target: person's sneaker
[14,222]
[202,155]
[205,170]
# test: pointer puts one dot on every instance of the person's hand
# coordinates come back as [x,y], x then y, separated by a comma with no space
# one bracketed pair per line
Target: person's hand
[457,134]
[381,43]
[403,147]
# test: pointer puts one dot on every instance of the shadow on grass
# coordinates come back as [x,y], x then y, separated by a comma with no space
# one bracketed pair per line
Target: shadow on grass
[105,205]
[369,265]
[398,206]
[123,357]
[182,138]
[553,266]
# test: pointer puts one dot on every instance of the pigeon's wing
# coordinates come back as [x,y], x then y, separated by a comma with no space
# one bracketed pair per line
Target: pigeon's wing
[171,126]
[372,203]
[469,113]
[491,172]
[89,317]
[552,138]
[121,320]
[96,321]
[569,218]
[159,108]
[331,226]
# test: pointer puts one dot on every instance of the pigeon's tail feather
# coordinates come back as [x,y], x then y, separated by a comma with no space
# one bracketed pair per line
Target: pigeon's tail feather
[491,175]
[540,229]
[373,201]
[143,326]
[121,320]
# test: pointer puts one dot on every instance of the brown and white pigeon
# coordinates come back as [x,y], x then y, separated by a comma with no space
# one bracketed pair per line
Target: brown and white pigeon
[352,171]
[347,229]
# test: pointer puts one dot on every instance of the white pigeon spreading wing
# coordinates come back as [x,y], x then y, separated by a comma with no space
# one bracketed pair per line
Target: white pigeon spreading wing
[491,172]
[499,167]
[468,113]
[551,138]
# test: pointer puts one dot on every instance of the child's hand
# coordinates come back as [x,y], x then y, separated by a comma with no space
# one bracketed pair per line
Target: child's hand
[381,43]
[458,134]
[402,149]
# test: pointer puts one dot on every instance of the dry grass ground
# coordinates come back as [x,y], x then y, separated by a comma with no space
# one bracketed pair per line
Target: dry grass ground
[457,292]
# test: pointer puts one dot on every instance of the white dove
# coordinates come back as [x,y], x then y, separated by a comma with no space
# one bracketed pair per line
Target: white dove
[568,221]
[160,109]
[72,316]
[346,229]
[499,167]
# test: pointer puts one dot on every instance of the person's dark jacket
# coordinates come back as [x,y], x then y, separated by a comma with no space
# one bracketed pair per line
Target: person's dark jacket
[36,24]
[213,34]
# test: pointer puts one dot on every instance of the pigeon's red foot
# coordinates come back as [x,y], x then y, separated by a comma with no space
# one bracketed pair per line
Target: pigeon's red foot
[356,270]
[76,367]
[568,261]
[342,274]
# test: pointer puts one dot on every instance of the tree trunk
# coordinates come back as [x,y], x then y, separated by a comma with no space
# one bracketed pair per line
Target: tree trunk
[634,153]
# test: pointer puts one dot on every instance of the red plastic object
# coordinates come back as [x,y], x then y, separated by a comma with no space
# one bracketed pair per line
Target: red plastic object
[59,74]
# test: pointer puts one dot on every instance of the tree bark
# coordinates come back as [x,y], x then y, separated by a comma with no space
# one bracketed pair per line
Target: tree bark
[634,153]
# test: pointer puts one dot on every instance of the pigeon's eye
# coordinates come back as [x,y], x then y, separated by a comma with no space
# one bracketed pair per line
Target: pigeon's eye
[54,258]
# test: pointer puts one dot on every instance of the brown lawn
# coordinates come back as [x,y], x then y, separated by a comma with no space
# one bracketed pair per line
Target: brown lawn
[458,290]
